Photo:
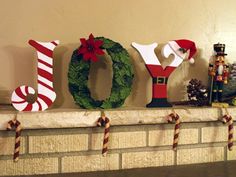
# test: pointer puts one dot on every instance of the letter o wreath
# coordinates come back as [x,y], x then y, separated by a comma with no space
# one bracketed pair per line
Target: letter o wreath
[121,81]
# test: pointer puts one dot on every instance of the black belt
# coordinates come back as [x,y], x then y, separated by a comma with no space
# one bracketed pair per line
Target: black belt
[159,80]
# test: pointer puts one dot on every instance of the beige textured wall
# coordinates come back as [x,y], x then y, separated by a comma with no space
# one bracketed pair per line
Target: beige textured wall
[143,21]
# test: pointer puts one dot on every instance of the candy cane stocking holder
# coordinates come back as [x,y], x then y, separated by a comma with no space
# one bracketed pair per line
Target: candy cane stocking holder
[46,93]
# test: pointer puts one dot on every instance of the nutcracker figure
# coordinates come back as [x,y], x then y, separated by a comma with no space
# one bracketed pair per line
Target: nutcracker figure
[219,75]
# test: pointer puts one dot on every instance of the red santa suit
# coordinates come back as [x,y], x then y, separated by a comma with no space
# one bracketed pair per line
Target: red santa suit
[159,74]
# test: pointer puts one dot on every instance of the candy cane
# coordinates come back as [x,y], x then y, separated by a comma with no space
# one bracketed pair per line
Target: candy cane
[173,117]
[104,122]
[228,119]
[17,125]
[46,93]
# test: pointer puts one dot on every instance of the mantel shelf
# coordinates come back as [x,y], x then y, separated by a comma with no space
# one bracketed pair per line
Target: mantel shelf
[69,118]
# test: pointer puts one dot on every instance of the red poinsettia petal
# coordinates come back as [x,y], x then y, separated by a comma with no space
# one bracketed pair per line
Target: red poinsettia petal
[83,42]
[87,55]
[94,58]
[98,43]
[82,50]
[91,37]
[99,52]
[91,40]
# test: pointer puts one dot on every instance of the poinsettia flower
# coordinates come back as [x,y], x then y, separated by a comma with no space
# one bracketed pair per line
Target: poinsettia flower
[90,48]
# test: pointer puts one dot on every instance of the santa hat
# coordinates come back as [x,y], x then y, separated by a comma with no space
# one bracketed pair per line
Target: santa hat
[180,47]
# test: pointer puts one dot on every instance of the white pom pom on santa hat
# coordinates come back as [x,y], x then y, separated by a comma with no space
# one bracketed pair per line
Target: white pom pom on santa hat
[181,46]
[191,60]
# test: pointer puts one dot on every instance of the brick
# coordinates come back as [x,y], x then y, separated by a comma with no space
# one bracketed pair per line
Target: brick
[7,145]
[58,143]
[29,166]
[231,155]
[200,155]
[90,163]
[165,137]
[215,134]
[147,159]
[120,140]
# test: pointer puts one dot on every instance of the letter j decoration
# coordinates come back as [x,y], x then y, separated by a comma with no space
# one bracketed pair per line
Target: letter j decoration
[46,94]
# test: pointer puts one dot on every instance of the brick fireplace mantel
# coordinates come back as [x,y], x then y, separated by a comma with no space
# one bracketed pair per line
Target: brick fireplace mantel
[67,140]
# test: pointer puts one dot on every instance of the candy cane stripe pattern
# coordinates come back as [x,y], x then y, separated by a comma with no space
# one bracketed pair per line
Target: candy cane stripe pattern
[104,122]
[173,117]
[17,125]
[228,119]
[46,93]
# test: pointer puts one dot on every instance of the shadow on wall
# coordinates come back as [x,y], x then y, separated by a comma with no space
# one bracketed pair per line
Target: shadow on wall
[20,59]
[58,57]
[5,96]
[178,81]
[141,82]
[100,78]
[62,55]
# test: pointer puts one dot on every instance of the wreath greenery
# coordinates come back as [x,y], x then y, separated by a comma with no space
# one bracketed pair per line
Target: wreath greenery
[121,81]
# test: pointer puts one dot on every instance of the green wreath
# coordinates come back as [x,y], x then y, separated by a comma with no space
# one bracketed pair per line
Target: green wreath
[79,72]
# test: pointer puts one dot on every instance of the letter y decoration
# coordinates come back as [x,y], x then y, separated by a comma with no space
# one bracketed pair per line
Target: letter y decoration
[159,74]
[46,93]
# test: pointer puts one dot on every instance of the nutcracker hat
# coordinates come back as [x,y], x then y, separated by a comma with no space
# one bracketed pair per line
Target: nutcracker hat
[219,49]
[181,47]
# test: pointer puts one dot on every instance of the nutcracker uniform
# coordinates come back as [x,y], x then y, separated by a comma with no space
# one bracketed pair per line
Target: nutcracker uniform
[219,73]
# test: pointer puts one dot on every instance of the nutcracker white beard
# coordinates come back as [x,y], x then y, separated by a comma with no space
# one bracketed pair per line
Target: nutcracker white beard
[220,69]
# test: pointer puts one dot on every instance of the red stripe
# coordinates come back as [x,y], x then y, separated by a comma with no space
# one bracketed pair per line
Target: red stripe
[17,144]
[47,100]
[107,120]
[45,74]
[106,130]
[230,127]
[230,145]
[18,102]
[27,90]
[104,150]
[40,106]
[16,154]
[19,93]
[45,85]
[45,63]
[41,48]
[28,107]
[157,70]
[175,145]
[176,136]
[177,126]
[105,141]
[18,133]
[53,42]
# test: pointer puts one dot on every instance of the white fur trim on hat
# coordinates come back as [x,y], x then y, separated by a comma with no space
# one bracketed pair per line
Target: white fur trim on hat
[175,47]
